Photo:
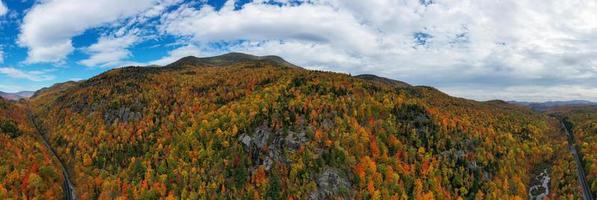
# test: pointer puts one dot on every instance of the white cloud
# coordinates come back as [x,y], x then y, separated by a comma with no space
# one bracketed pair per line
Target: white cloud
[3,8]
[1,55]
[29,75]
[109,51]
[258,22]
[48,27]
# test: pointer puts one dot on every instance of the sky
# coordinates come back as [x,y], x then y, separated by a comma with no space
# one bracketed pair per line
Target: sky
[524,50]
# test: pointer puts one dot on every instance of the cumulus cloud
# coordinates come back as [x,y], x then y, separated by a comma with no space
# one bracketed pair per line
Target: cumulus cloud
[48,27]
[29,75]
[258,21]
[109,51]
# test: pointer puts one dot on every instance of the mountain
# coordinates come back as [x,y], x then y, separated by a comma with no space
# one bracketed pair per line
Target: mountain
[544,106]
[238,126]
[51,91]
[231,58]
[16,95]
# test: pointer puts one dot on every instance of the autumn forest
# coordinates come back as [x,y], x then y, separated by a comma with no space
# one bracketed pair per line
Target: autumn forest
[245,127]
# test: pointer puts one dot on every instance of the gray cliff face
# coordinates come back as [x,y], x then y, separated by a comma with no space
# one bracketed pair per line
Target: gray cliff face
[331,183]
[268,148]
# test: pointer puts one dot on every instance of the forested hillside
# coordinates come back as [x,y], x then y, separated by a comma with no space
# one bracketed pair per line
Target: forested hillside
[27,170]
[257,127]
[584,126]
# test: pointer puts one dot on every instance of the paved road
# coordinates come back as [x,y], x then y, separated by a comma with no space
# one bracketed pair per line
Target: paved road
[67,185]
[581,172]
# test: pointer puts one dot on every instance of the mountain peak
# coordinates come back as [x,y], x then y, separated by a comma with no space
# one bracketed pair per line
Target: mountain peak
[238,54]
[230,58]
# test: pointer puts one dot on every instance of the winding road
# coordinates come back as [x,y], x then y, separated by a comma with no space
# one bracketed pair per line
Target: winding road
[67,185]
[581,172]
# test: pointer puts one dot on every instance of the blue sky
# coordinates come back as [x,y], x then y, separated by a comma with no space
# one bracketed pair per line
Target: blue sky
[479,49]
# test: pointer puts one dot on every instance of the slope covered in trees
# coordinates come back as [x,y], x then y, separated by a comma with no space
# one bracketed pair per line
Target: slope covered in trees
[256,128]
[27,170]
[583,120]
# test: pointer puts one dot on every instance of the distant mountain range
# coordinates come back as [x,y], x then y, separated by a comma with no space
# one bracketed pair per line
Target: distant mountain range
[542,106]
[16,95]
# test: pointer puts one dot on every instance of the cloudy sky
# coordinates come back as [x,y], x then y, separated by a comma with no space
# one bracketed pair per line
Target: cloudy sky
[480,49]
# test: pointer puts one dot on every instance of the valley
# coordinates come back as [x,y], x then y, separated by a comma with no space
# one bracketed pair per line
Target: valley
[581,171]
[67,186]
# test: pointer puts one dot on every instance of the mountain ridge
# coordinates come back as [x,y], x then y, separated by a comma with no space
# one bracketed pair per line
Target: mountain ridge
[544,106]
[16,95]
[230,58]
